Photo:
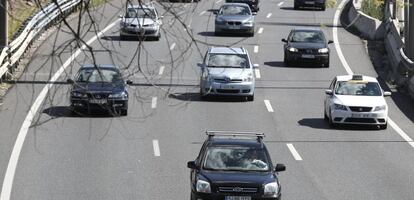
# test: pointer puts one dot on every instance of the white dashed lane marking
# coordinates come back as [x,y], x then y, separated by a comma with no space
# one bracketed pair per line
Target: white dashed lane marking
[269,15]
[256,49]
[280,4]
[172,46]
[294,152]
[257,73]
[260,30]
[161,70]
[156,148]
[268,106]
[202,13]
[154,102]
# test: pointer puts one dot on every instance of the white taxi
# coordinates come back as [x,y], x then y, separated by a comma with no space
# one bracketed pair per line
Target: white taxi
[356,99]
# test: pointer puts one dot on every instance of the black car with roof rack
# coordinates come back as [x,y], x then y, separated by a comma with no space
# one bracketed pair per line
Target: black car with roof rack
[234,166]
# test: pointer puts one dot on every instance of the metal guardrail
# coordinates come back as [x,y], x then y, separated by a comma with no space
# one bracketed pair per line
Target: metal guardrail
[11,54]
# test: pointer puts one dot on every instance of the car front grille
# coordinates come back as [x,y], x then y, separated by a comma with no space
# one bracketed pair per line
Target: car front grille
[222,80]
[228,91]
[237,189]
[308,51]
[360,109]
[360,120]
[98,96]
[233,23]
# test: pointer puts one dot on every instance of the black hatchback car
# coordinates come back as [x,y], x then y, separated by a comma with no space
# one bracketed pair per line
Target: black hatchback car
[309,3]
[253,4]
[234,166]
[306,45]
[99,87]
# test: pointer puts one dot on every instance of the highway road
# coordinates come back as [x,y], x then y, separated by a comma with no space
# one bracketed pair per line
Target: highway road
[144,155]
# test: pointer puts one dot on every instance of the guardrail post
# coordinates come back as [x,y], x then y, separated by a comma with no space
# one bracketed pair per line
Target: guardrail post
[3,23]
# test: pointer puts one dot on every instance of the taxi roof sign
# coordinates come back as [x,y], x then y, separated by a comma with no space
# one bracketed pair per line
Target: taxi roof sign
[357,77]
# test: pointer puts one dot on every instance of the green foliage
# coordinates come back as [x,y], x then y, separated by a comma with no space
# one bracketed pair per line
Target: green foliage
[373,8]
[331,3]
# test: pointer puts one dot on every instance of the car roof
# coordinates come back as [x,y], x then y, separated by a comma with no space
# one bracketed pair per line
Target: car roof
[349,77]
[100,66]
[141,6]
[307,29]
[235,4]
[235,142]
[228,50]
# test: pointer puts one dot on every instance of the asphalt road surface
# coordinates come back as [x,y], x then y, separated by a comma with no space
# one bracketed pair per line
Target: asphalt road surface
[144,155]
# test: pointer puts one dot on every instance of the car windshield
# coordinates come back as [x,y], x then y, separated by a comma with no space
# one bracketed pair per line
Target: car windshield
[234,10]
[92,75]
[140,13]
[231,158]
[358,88]
[308,36]
[228,61]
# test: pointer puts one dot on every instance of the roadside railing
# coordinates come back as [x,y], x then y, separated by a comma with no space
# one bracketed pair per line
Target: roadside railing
[11,54]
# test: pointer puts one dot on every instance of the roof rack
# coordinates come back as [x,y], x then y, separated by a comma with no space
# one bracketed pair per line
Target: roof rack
[212,134]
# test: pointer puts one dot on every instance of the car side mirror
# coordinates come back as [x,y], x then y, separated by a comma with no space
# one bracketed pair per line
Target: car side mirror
[387,94]
[328,92]
[160,17]
[215,12]
[70,81]
[120,16]
[330,42]
[284,40]
[200,64]
[129,82]
[191,165]
[280,168]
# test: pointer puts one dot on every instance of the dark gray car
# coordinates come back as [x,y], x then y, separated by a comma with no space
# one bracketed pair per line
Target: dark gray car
[234,18]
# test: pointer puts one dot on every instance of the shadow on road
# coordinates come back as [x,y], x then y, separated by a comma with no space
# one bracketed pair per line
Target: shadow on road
[320,123]
[67,111]
[129,38]
[195,96]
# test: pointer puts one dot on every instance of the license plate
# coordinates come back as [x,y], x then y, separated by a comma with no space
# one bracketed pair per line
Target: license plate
[234,27]
[98,101]
[360,115]
[308,56]
[226,87]
[309,2]
[238,198]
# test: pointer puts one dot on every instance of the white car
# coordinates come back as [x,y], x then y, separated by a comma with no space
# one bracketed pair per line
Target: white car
[227,71]
[141,21]
[356,99]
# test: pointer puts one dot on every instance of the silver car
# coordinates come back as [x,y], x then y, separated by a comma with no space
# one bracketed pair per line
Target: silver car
[234,18]
[141,20]
[227,71]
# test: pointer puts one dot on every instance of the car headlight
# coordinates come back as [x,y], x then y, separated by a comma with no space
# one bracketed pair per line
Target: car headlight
[380,108]
[118,95]
[323,50]
[271,188]
[249,78]
[79,94]
[292,49]
[339,107]
[249,23]
[219,20]
[203,186]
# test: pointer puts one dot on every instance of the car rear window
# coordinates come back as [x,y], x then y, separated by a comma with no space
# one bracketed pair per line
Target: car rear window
[228,61]
[232,158]
[358,88]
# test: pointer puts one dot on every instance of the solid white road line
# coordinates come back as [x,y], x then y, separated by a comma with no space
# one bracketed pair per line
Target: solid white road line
[401,132]
[260,30]
[257,72]
[280,4]
[269,15]
[172,46]
[161,70]
[294,152]
[202,13]
[268,106]
[349,70]
[256,49]
[14,158]
[156,148]
[154,102]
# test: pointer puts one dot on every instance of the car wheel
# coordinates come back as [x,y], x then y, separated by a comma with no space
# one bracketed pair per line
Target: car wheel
[217,33]
[326,65]
[122,37]
[295,7]
[192,197]
[287,61]
[323,8]
[331,123]
[123,112]
[251,34]
[325,116]
[383,126]
[250,98]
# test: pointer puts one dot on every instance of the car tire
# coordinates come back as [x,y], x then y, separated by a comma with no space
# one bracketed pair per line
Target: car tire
[217,33]
[295,7]
[250,98]
[325,116]
[323,7]
[122,37]
[287,62]
[192,197]
[123,112]
[251,34]
[383,126]
[331,123]
[326,65]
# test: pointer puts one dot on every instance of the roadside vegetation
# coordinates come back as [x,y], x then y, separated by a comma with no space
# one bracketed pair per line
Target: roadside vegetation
[373,8]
